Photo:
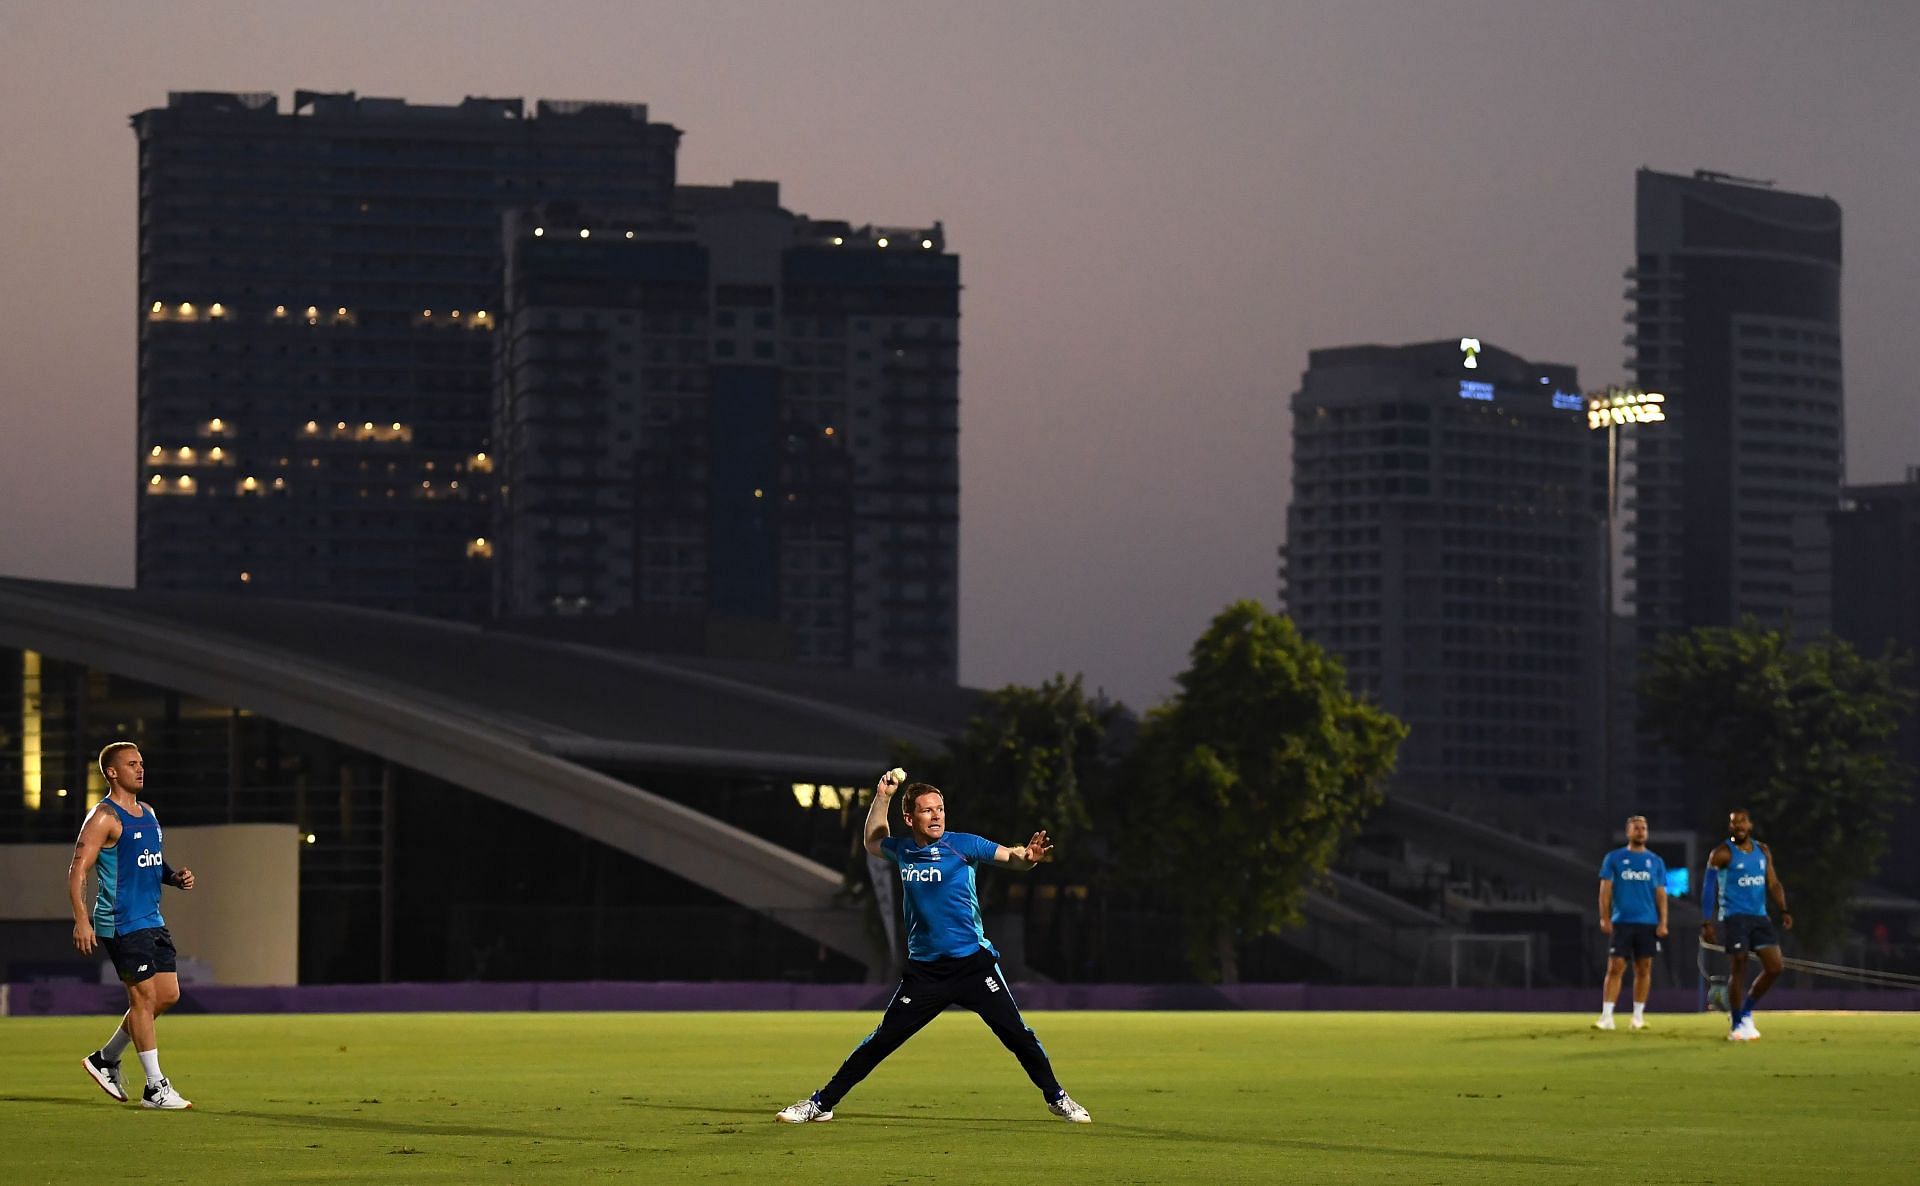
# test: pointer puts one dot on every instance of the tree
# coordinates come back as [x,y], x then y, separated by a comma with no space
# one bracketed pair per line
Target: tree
[1246,784]
[1031,758]
[1797,735]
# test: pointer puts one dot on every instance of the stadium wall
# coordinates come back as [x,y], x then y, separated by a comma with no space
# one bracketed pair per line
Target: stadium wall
[70,999]
[240,926]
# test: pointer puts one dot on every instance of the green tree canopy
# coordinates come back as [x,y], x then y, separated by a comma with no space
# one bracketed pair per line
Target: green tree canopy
[1031,758]
[1798,736]
[1246,784]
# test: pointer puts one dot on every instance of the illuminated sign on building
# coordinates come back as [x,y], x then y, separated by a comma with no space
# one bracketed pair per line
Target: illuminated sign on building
[1571,401]
[1469,389]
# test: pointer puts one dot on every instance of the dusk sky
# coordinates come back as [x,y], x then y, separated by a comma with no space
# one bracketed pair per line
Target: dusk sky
[1159,210]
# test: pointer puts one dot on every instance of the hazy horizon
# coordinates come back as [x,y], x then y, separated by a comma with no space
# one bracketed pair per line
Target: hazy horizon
[1159,211]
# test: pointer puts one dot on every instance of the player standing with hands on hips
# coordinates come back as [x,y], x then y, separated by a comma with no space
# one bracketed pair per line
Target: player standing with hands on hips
[121,836]
[949,961]
[1633,916]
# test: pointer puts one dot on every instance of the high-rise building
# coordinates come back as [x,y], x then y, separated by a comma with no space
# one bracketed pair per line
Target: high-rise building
[317,292]
[1445,539]
[733,412]
[1736,320]
[1876,604]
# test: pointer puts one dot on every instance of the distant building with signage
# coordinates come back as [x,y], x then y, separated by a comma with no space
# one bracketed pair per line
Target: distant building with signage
[1445,539]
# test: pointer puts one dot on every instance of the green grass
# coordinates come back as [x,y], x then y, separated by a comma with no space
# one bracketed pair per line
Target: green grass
[1176,1097]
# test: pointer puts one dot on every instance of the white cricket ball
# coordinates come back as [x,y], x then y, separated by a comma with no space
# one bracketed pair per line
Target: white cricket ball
[896,776]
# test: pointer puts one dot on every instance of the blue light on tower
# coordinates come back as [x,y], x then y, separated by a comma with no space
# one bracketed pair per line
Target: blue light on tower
[1472,389]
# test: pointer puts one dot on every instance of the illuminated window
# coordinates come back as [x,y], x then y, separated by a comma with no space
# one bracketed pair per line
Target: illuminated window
[279,310]
[216,425]
[217,310]
[186,453]
[186,309]
[279,483]
[155,452]
[245,577]
[184,481]
[480,549]
[250,483]
[313,426]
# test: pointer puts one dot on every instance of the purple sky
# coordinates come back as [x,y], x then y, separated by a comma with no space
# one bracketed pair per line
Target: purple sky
[1159,210]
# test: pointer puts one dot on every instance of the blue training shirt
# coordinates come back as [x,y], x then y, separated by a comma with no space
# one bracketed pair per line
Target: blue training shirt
[1743,883]
[129,874]
[937,888]
[1635,875]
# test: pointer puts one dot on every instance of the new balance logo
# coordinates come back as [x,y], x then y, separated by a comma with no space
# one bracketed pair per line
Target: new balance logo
[909,873]
[993,985]
[149,860]
[906,1000]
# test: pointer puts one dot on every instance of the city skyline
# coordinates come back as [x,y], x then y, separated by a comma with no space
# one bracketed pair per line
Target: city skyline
[1161,212]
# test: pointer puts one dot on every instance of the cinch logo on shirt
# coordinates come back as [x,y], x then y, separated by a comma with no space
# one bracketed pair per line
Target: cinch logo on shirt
[149,860]
[1751,880]
[909,873]
[1642,875]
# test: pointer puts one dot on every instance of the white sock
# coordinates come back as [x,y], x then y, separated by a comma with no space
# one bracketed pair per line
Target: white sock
[1639,1010]
[150,1059]
[1606,1011]
[116,1045]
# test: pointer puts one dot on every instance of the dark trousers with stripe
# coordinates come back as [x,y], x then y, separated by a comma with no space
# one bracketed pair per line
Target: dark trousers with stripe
[928,987]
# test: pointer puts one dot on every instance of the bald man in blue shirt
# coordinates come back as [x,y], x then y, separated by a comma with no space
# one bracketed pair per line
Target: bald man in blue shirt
[949,960]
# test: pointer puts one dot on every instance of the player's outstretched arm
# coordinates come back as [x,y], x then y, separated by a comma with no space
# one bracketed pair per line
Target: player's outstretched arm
[1026,856]
[95,834]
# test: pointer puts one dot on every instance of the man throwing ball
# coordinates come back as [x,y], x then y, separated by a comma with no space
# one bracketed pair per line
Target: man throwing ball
[949,961]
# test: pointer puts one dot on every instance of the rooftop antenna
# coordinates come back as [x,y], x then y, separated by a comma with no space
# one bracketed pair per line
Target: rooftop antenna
[1733,178]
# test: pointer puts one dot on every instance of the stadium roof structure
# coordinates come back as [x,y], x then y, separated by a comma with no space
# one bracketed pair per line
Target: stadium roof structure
[517,718]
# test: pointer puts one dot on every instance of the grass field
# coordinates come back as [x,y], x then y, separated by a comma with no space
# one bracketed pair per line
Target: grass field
[1176,1097]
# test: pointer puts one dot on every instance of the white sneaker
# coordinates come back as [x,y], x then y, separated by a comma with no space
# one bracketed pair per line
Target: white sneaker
[162,1095]
[803,1112]
[1067,1110]
[1748,1031]
[106,1074]
[1639,1023]
[1739,1034]
[1605,1023]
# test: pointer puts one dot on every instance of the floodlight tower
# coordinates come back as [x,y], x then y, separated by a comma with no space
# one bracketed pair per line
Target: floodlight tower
[1609,409]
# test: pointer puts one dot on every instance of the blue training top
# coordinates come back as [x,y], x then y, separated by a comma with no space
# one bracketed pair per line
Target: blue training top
[1635,877]
[936,885]
[129,872]
[1743,883]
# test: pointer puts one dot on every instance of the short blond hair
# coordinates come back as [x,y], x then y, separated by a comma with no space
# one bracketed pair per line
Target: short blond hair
[112,748]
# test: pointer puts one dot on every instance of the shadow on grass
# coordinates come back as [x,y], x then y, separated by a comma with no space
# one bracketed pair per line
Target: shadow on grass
[1174,1134]
[372,1124]
[1143,1130]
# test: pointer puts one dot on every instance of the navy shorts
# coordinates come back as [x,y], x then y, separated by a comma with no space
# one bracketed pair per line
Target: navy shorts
[140,955]
[1747,932]
[1634,941]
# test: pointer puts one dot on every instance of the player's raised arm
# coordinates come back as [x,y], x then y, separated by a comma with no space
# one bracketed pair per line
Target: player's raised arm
[1777,891]
[1026,856]
[96,833]
[877,827]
